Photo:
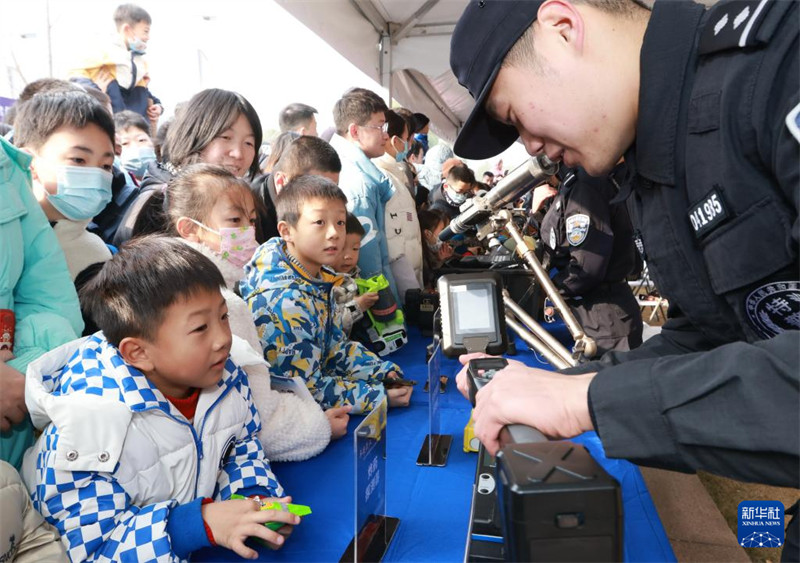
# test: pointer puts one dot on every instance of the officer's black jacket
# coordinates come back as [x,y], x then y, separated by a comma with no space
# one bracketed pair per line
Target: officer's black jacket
[714,192]
[605,253]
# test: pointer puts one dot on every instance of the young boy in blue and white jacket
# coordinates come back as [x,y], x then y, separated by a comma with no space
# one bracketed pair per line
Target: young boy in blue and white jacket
[290,297]
[148,426]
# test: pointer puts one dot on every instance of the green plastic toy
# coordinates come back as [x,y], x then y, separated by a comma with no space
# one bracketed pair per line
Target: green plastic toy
[296,509]
[388,331]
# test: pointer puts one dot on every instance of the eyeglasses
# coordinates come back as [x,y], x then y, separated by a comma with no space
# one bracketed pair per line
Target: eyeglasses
[383,128]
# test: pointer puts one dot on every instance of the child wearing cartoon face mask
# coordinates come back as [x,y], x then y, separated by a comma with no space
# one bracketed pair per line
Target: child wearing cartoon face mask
[214,212]
[71,139]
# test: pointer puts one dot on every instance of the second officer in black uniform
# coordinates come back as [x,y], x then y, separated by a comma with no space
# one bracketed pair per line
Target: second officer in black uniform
[589,241]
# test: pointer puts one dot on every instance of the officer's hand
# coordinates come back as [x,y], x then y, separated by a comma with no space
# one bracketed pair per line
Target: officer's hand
[555,404]
[461,378]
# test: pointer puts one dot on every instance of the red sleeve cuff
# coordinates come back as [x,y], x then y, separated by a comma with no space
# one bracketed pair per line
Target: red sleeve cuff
[209,534]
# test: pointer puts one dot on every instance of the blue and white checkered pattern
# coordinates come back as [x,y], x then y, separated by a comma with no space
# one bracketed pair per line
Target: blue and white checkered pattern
[92,511]
[246,466]
[96,519]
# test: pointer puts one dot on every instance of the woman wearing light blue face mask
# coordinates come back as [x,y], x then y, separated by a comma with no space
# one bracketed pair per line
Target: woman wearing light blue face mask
[71,139]
[402,227]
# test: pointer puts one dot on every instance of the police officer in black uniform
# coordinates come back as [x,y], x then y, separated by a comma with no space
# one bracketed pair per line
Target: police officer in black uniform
[714,190]
[590,242]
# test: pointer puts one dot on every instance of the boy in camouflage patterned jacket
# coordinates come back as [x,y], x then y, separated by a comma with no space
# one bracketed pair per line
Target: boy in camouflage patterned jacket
[290,296]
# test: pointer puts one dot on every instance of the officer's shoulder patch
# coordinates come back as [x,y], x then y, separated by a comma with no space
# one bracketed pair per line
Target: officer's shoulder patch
[577,228]
[774,308]
[793,122]
[735,24]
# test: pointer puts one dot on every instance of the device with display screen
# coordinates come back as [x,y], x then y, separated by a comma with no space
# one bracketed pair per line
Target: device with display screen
[473,317]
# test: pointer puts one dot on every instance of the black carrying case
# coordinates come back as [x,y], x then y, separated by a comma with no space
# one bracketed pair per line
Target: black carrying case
[558,504]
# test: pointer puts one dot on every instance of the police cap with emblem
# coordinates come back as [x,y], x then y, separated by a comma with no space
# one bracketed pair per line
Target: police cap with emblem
[483,36]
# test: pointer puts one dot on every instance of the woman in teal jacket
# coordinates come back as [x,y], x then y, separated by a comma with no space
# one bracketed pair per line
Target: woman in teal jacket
[36,286]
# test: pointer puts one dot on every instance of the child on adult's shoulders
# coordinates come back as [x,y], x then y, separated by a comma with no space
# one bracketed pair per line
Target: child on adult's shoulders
[120,70]
[288,287]
[148,427]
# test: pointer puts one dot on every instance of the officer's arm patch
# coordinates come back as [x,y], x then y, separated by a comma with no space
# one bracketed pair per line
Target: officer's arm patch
[734,24]
[793,122]
[577,228]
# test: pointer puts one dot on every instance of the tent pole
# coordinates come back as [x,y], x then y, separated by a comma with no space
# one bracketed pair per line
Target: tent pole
[385,63]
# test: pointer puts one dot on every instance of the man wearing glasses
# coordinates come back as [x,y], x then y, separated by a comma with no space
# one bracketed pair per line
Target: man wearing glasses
[360,121]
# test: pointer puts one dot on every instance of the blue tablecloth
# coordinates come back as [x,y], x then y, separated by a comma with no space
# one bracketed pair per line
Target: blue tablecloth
[432,503]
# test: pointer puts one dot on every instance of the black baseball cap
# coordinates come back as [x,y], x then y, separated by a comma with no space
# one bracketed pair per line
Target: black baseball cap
[483,36]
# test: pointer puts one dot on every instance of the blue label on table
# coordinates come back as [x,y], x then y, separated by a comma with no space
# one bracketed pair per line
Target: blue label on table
[761,523]
[370,464]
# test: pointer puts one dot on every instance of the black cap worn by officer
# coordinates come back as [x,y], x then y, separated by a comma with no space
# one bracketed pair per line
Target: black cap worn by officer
[714,191]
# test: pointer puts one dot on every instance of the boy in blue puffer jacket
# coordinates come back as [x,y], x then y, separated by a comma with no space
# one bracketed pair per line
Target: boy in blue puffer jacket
[290,296]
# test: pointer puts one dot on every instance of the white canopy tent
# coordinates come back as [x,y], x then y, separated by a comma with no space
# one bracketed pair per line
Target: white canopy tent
[402,44]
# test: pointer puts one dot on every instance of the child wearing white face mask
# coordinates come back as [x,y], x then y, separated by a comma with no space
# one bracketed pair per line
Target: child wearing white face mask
[214,212]
[71,138]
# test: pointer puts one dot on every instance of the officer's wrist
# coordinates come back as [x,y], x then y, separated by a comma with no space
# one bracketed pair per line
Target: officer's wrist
[578,402]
